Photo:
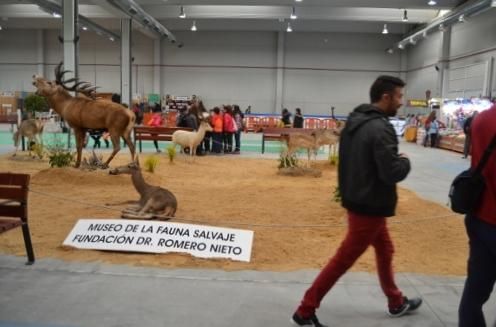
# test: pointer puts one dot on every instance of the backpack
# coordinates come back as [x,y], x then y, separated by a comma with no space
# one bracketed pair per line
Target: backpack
[467,188]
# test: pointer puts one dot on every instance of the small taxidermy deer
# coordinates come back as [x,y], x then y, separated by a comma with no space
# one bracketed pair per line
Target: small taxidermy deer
[30,128]
[155,202]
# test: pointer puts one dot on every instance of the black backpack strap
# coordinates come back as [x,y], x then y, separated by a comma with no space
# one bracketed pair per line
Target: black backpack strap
[485,157]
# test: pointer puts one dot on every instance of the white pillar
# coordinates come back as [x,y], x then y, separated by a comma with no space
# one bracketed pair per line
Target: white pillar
[443,66]
[126,61]
[280,71]
[40,53]
[157,85]
[403,75]
[70,23]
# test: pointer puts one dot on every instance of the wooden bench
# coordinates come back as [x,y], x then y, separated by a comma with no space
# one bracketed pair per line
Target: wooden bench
[9,119]
[278,133]
[14,205]
[149,133]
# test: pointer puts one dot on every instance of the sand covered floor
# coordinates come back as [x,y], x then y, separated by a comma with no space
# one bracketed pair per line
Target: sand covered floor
[296,223]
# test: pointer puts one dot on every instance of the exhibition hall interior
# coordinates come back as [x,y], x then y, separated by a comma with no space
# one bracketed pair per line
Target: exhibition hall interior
[247,163]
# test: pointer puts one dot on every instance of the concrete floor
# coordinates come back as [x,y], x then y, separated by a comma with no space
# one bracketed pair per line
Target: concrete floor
[57,293]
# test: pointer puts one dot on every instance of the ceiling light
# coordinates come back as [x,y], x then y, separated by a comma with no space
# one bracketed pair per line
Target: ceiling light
[193,27]
[461,18]
[0,27]
[412,41]
[302,0]
[182,14]
[56,15]
[432,3]
[293,14]
[385,29]
[111,39]
[289,29]
[424,35]
[441,27]
[405,16]
[390,50]
[84,28]
[401,46]
[494,3]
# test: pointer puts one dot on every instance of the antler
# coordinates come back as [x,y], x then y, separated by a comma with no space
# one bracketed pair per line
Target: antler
[80,87]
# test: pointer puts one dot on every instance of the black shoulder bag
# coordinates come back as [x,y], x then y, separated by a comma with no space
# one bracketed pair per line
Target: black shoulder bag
[466,189]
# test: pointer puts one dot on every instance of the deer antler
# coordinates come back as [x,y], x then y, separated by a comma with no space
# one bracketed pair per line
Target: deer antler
[80,87]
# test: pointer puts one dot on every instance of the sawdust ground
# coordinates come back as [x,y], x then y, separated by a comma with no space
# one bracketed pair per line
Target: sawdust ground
[223,191]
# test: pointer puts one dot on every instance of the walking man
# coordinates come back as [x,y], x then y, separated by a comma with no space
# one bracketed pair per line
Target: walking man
[481,227]
[369,168]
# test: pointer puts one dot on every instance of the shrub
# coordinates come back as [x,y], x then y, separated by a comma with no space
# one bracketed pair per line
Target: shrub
[151,162]
[334,156]
[285,161]
[337,194]
[38,149]
[171,153]
[58,156]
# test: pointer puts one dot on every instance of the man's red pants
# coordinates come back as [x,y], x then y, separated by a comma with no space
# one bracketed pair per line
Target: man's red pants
[362,232]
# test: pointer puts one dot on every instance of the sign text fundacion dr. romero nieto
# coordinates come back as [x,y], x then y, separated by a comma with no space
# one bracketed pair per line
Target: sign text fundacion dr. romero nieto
[161,237]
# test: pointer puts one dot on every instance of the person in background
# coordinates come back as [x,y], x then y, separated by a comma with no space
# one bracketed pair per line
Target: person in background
[466,131]
[217,123]
[481,228]
[248,110]
[138,114]
[229,129]
[369,169]
[156,121]
[286,118]
[298,119]
[433,129]
[238,119]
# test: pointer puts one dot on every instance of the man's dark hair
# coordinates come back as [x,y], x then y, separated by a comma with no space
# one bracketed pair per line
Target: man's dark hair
[384,84]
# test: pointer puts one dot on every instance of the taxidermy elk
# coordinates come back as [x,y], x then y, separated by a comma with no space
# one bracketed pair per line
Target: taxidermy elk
[83,112]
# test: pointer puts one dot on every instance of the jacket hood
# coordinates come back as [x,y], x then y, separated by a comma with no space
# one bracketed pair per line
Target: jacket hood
[362,114]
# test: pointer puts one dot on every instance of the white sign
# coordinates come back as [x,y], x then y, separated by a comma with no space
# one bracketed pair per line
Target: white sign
[161,237]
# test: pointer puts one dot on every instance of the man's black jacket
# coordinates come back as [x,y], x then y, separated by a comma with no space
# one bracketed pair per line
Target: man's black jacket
[369,163]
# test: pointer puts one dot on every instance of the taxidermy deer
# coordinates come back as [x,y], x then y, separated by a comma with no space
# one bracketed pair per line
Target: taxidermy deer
[154,202]
[191,140]
[83,112]
[30,128]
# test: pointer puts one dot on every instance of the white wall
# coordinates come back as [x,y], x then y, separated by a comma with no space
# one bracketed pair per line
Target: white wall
[421,72]
[472,46]
[320,69]
[334,69]
[222,68]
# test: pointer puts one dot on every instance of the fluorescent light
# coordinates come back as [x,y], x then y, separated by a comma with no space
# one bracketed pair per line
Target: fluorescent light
[84,28]
[461,18]
[182,14]
[293,14]
[401,46]
[405,16]
[432,3]
[56,14]
[289,29]
[441,27]
[193,27]
[0,27]
[385,29]
[494,3]
[111,39]
[302,0]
